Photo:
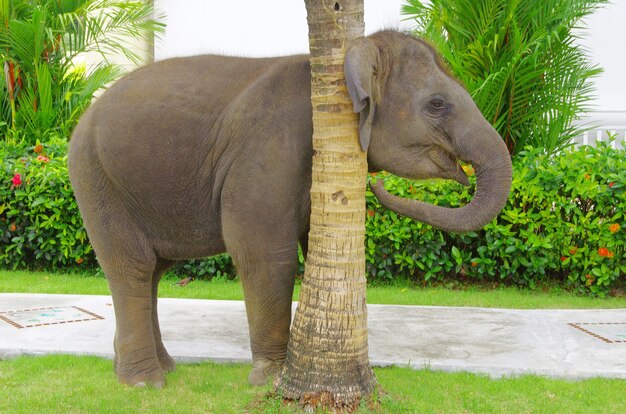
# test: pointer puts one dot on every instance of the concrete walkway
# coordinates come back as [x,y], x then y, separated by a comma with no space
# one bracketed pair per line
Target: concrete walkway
[558,343]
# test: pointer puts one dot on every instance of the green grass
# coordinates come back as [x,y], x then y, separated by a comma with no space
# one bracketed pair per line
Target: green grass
[90,284]
[400,293]
[65,384]
[69,384]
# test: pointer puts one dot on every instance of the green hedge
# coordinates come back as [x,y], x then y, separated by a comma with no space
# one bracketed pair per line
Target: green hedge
[40,227]
[564,221]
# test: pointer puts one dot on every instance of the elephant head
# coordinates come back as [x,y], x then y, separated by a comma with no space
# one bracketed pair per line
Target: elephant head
[417,121]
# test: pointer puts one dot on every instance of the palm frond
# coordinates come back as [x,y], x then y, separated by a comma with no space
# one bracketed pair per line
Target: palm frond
[44,105]
[519,60]
[109,28]
[41,41]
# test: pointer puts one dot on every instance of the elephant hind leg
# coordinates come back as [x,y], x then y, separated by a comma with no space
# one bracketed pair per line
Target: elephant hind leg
[165,360]
[129,263]
[136,361]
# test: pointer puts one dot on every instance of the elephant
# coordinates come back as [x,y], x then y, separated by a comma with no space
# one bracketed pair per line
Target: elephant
[191,157]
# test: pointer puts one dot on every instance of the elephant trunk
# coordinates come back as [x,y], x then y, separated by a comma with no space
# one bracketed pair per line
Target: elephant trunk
[491,160]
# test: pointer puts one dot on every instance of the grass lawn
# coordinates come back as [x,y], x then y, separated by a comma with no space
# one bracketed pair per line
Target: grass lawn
[400,293]
[60,384]
[63,384]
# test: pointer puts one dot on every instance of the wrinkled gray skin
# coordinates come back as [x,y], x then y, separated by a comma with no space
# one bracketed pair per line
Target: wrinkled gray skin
[191,157]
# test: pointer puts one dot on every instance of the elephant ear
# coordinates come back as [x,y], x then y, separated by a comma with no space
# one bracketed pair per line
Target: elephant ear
[360,70]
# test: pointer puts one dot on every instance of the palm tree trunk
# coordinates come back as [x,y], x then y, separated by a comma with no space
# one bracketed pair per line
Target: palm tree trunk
[327,360]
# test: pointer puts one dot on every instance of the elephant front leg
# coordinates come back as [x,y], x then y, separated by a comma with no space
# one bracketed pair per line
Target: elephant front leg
[267,272]
[260,227]
[268,292]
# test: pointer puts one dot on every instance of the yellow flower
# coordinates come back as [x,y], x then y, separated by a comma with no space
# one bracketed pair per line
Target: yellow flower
[469,170]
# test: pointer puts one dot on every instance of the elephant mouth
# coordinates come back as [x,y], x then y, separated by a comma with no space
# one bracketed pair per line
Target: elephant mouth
[460,176]
[492,165]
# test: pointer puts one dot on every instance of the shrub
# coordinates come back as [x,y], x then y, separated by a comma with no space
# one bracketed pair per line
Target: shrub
[220,266]
[564,221]
[519,60]
[39,222]
[40,225]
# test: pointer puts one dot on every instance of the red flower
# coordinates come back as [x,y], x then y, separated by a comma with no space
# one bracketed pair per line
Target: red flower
[603,251]
[43,158]
[611,185]
[17,180]
[614,228]
[573,251]
[563,258]
[370,213]
[38,149]
[13,227]
[79,260]
[474,264]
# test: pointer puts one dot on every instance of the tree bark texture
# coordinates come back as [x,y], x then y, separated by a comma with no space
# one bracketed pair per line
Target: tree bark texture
[327,359]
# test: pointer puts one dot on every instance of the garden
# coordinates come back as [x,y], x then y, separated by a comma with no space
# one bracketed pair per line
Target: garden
[559,242]
[563,222]
[561,226]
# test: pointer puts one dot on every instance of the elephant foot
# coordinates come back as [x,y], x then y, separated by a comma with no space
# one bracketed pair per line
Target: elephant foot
[151,376]
[154,379]
[262,370]
[166,361]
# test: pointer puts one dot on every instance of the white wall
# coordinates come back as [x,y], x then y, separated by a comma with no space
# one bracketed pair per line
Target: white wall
[252,28]
[606,44]
[605,41]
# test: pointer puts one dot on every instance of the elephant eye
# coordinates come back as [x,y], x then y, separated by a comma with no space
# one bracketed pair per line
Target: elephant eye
[437,106]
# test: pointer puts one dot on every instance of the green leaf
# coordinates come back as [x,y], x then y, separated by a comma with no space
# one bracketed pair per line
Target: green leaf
[456,254]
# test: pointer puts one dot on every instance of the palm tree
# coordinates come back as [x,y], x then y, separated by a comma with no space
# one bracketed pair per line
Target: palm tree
[327,359]
[42,90]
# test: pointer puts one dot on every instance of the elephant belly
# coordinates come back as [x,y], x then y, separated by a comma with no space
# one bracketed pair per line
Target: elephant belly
[179,227]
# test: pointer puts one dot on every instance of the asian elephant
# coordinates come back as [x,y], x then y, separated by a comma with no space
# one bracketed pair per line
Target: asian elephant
[191,157]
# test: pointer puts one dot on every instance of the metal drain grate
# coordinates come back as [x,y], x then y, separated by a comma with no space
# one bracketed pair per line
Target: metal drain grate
[609,332]
[28,318]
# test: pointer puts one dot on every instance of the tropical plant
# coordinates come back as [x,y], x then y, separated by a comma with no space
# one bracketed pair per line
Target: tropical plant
[520,59]
[42,89]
